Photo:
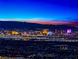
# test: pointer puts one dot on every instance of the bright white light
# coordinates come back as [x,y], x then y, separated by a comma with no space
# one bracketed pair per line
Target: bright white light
[68,30]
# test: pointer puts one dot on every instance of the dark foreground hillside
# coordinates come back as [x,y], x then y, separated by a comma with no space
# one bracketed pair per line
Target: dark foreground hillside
[38,49]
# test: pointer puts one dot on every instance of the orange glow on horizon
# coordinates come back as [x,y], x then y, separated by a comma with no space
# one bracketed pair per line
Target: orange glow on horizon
[49,22]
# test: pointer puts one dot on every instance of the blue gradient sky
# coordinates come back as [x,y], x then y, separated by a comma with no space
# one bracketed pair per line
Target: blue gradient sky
[57,10]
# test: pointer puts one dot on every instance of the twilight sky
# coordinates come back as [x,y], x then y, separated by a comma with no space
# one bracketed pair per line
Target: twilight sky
[39,10]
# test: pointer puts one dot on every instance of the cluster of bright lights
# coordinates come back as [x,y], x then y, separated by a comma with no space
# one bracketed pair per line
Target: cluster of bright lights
[69,30]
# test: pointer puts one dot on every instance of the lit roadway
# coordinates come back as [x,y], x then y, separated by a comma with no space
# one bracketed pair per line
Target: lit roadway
[41,38]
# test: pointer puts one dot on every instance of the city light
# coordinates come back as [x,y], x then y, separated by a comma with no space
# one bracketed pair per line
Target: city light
[69,30]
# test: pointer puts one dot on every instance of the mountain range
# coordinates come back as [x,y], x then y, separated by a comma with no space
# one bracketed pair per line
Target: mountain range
[13,25]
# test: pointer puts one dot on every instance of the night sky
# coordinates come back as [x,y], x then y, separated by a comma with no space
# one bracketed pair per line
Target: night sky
[39,10]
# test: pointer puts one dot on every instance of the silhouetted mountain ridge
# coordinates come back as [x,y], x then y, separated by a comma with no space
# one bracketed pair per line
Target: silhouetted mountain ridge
[30,26]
